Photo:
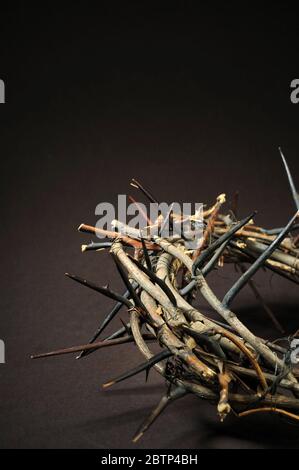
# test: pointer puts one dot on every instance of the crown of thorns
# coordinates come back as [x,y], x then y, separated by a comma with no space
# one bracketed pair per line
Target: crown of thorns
[220,361]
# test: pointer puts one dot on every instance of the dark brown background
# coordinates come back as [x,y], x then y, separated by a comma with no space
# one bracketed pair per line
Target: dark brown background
[193,103]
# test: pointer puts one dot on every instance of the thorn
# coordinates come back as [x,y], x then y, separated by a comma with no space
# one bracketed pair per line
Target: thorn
[214,345]
[230,295]
[125,326]
[137,437]
[117,333]
[290,179]
[168,217]
[259,297]
[226,236]
[108,384]
[146,255]
[107,320]
[102,290]
[148,364]
[125,278]
[94,346]
[174,394]
[156,280]
[209,266]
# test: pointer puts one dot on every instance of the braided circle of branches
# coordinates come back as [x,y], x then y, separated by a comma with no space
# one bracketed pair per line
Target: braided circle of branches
[221,361]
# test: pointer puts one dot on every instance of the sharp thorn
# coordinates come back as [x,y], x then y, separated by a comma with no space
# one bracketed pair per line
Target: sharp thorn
[290,179]
[210,265]
[174,394]
[128,330]
[127,282]
[156,280]
[150,363]
[207,340]
[257,264]
[226,236]
[259,297]
[94,346]
[146,255]
[102,290]
[104,324]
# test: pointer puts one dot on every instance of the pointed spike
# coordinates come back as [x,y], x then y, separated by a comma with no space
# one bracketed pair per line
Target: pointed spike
[210,265]
[127,282]
[214,345]
[156,280]
[274,269]
[94,346]
[226,236]
[146,255]
[168,217]
[121,331]
[107,320]
[150,363]
[118,333]
[290,179]
[103,290]
[173,395]
[108,384]
[230,295]
[128,330]
[137,437]
[172,227]
[259,297]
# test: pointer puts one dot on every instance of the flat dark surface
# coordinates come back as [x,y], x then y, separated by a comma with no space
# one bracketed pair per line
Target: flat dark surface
[192,103]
